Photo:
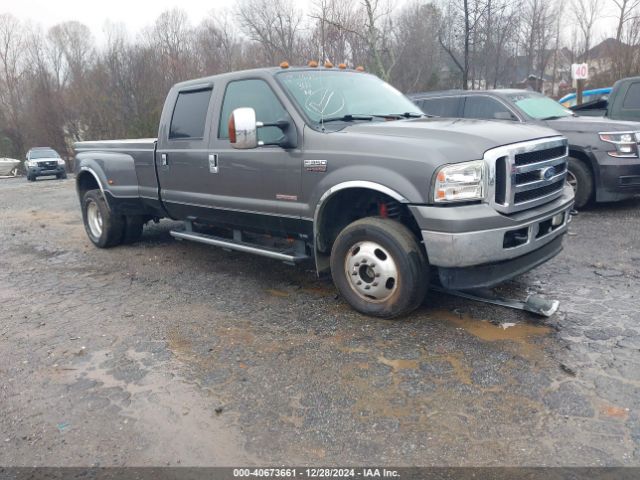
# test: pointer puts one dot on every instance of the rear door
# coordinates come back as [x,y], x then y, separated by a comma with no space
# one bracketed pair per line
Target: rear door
[182,156]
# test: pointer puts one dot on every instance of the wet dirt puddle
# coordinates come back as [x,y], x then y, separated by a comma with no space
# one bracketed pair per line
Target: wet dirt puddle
[523,337]
[172,414]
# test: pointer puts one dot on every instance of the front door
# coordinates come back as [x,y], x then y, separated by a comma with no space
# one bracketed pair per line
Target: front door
[260,186]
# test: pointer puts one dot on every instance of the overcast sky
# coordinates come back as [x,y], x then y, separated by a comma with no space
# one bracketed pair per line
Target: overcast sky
[135,14]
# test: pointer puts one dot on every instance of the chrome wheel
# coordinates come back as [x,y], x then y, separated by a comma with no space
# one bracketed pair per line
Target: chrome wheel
[94,219]
[572,180]
[371,271]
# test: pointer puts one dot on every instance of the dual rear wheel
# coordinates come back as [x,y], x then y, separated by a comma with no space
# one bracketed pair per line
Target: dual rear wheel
[104,228]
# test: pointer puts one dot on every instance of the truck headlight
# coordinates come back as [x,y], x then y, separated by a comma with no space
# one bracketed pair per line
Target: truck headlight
[626,143]
[32,163]
[60,161]
[462,182]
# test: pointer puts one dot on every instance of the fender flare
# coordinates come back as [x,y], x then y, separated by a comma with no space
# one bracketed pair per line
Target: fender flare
[92,172]
[344,186]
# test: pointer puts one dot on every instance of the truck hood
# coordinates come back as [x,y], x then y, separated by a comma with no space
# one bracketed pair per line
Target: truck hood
[591,124]
[471,138]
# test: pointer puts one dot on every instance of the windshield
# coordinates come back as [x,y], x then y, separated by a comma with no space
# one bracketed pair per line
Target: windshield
[538,106]
[324,95]
[43,154]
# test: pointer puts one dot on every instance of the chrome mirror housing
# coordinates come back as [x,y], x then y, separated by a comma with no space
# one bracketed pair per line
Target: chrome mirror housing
[243,128]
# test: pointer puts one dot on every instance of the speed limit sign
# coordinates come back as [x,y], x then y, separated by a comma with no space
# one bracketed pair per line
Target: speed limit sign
[579,71]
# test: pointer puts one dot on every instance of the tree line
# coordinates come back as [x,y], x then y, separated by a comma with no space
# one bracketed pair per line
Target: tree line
[60,85]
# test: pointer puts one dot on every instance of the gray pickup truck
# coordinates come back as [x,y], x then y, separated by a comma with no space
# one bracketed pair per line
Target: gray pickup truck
[336,166]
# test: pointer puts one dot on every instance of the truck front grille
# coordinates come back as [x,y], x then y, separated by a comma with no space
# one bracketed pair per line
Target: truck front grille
[539,155]
[47,164]
[528,174]
[529,195]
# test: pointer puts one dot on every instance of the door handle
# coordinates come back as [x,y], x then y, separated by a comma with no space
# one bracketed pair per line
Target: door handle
[213,163]
[165,160]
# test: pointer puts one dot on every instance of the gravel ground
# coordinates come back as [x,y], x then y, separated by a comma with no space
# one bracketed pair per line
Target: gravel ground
[172,353]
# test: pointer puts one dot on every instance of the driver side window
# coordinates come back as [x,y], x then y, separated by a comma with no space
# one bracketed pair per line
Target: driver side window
[258,95]
[486,108]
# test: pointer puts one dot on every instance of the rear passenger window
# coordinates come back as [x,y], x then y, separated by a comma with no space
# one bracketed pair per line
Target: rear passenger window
[190,114]
[632,98]
[486,108]
[441,107]
[258,95]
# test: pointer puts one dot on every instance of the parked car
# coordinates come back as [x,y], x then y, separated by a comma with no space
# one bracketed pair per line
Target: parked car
[337,166]
[623,103]
[44,161]
[603,153]
[588,96]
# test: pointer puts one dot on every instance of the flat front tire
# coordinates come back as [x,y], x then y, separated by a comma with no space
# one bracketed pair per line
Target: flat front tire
[379,267]
[103,228]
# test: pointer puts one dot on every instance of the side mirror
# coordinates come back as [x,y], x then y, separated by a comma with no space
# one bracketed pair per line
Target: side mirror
[243,128]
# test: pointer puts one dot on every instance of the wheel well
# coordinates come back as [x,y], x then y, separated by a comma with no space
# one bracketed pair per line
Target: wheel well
[349,205]
[85,182]
[584,158]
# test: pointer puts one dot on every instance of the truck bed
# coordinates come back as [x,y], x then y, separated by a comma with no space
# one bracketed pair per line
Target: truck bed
[129,144]
[128,166]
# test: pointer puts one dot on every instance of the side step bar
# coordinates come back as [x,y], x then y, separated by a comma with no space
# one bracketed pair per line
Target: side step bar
[285,256]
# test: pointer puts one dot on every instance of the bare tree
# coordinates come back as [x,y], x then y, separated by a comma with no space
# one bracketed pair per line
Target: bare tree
[275,25]
[586,13]
[218,45]
[12,73]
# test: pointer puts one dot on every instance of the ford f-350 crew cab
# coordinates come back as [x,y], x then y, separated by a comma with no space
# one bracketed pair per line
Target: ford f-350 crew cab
[339,167]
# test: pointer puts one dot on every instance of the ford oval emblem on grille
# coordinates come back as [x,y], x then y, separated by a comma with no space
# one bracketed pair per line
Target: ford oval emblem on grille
[548,173]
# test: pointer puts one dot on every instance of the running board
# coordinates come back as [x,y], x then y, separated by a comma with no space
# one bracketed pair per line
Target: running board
[239,246]
[533,303]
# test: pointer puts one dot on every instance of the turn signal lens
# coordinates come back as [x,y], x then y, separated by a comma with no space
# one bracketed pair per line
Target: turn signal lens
[232,129]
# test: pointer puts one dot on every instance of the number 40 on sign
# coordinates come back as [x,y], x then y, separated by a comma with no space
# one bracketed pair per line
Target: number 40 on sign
[579,71]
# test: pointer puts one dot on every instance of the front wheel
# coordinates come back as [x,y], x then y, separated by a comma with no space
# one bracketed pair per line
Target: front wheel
[581,180]
[379,267]
[103,228]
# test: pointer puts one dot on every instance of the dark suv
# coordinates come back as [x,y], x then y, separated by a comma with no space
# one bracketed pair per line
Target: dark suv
[604,164]
[44,161]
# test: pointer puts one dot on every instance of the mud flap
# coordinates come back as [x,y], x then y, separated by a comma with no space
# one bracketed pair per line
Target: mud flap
[533,303]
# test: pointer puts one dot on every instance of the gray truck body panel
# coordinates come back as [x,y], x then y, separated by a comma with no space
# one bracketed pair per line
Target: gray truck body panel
[270,188]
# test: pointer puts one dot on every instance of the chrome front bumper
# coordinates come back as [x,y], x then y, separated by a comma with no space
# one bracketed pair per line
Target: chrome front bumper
[466,249]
